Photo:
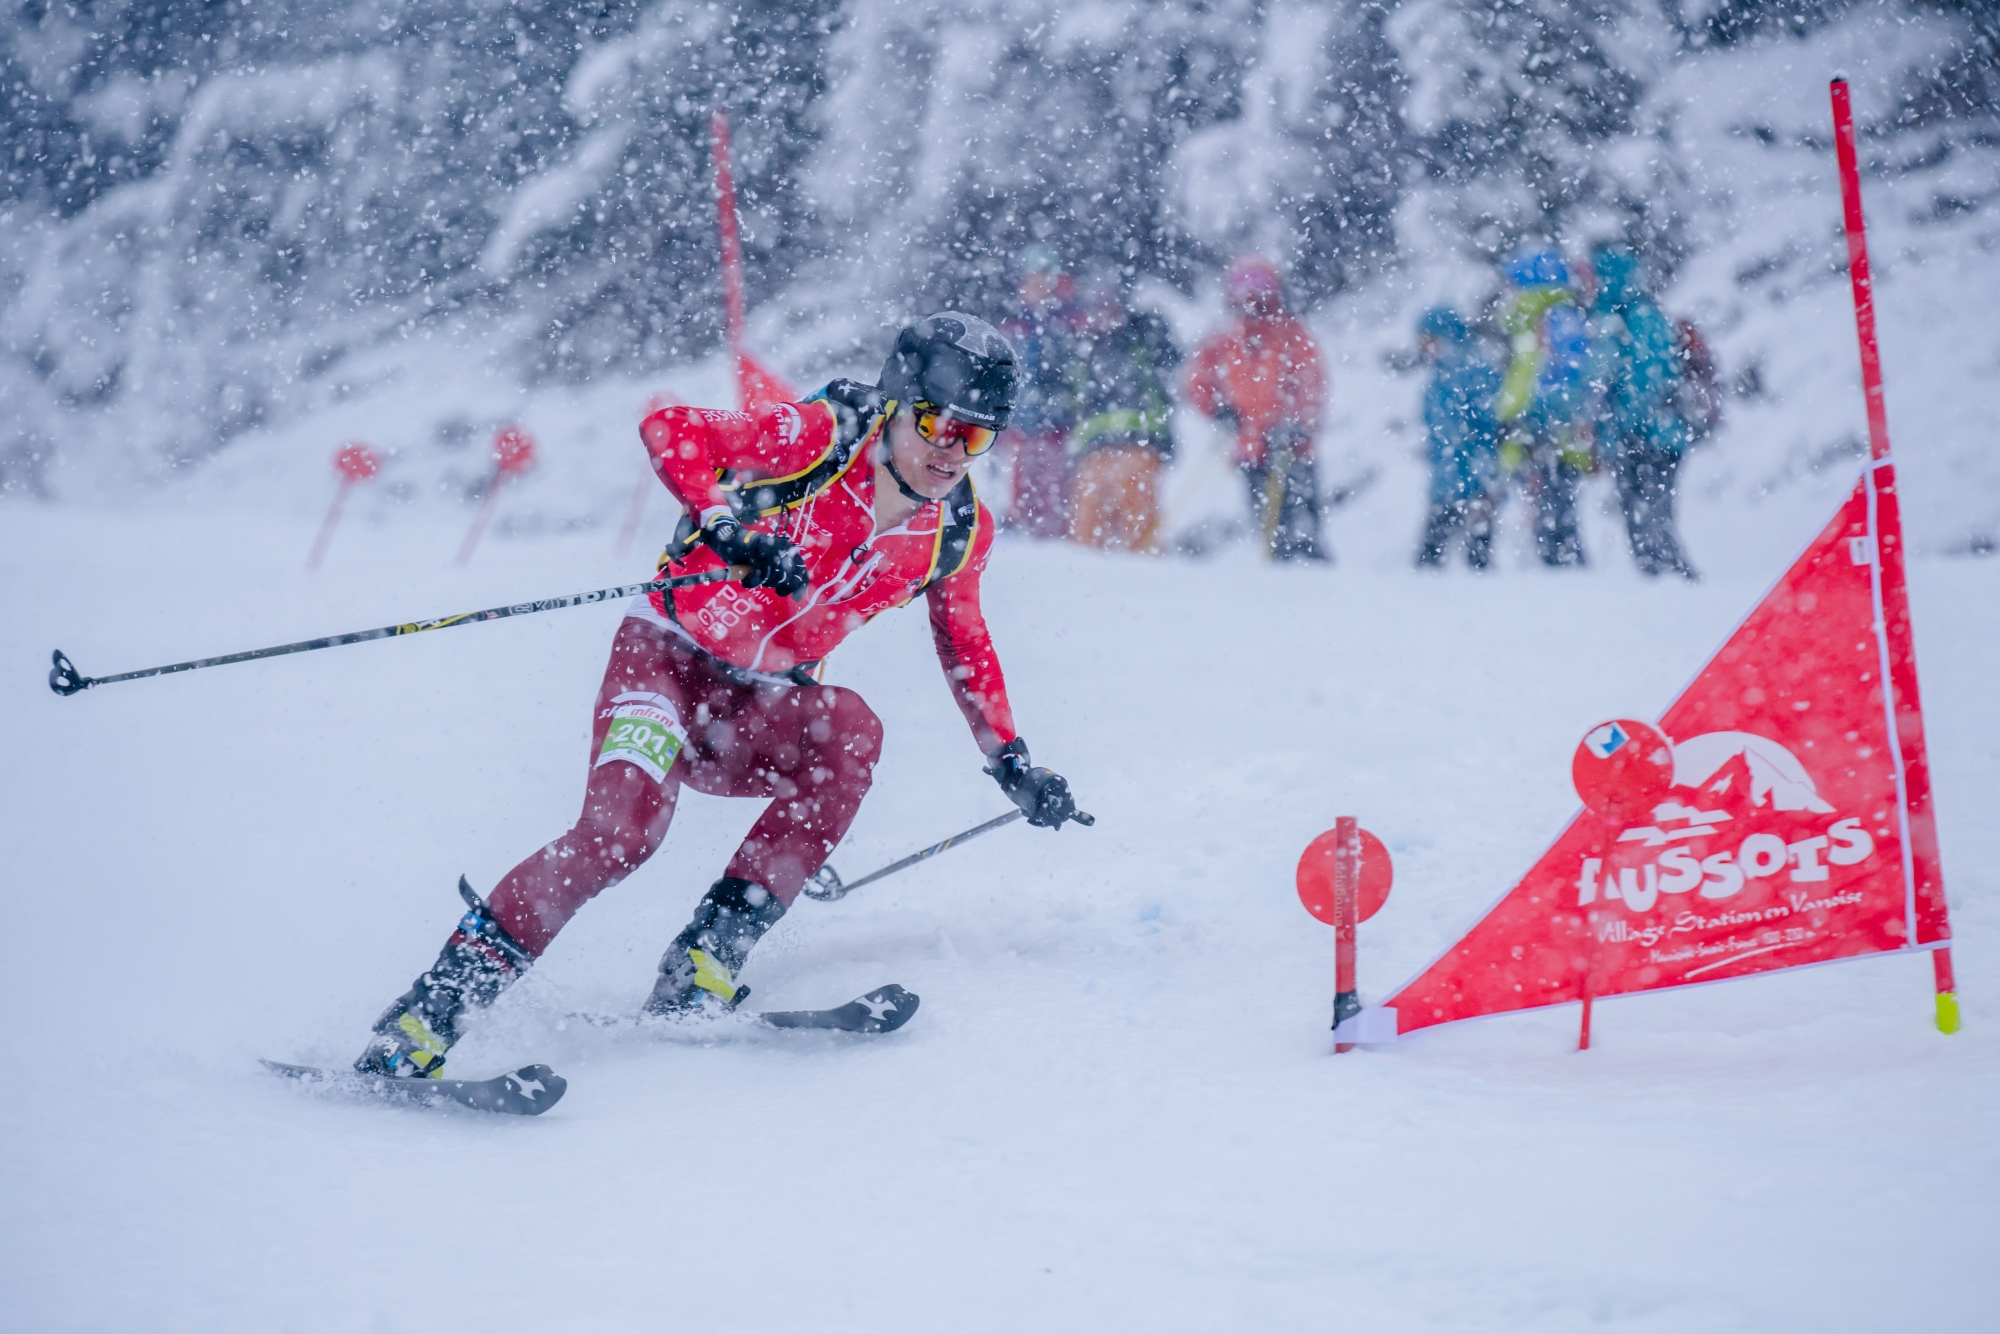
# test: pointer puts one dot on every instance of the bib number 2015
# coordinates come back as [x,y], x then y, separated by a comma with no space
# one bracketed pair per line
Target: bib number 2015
[645,731]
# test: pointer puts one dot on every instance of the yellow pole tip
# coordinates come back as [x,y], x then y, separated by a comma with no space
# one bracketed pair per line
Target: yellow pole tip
[1947,1011]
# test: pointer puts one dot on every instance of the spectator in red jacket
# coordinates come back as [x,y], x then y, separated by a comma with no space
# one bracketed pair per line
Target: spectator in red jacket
[1261,374]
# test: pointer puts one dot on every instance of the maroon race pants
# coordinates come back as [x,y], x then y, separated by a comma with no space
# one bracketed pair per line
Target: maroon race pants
[809,750]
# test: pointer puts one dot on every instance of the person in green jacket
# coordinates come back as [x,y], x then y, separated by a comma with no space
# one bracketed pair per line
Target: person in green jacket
[1542,396]
[1121,362]
[1641,435]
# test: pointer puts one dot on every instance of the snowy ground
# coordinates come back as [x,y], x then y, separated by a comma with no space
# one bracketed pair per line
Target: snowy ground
[1116,1109]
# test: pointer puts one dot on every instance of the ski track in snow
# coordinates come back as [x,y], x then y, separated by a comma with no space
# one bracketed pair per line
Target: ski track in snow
[1117,1107]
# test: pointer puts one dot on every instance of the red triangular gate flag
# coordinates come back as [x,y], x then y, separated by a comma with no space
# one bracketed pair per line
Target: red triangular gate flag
[758,386]
[1798,829]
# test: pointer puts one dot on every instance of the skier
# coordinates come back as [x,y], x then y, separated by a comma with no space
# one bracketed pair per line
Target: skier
[1118,393]
[1261,374]
[839,508]
[1641,432]
[1463,439]
[1541,399]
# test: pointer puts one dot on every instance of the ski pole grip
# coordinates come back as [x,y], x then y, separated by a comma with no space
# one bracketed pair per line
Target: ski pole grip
[64,678]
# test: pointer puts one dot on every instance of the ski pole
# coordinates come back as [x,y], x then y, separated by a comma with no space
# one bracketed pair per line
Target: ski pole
[831,887]
[65,679]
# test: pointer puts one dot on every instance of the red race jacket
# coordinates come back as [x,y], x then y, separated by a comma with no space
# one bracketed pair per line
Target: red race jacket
[856,573]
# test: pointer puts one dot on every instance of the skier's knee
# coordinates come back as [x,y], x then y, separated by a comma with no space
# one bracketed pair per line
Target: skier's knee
[862,744]
[849,728]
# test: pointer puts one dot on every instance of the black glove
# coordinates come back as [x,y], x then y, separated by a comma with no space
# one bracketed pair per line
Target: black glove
[775,562]
[1042,794]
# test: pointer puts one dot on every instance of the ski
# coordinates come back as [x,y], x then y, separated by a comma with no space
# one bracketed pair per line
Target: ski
[883,1010]
[529,1091]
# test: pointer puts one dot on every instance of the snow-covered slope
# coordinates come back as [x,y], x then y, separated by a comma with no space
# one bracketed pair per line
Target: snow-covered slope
[1116,1109]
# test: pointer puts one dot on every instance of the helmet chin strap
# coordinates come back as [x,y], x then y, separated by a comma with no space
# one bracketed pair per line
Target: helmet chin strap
[889,461]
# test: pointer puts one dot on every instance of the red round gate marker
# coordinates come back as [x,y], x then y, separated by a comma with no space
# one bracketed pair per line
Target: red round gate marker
[1623,768]
[513,451]
[356,462]
[1316,877]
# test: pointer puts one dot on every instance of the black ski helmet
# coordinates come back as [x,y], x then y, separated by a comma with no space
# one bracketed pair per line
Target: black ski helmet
[953,361]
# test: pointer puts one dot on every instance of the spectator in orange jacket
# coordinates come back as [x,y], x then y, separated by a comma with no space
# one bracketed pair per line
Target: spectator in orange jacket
[1261,374]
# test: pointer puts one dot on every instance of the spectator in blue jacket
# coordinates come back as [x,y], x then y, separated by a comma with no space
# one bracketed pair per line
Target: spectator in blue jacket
[1463,439]
[1640,433]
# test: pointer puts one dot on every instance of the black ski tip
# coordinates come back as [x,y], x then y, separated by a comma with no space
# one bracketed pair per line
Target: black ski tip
[883,1010]
[528,1091]
[293,1071]
[64,678]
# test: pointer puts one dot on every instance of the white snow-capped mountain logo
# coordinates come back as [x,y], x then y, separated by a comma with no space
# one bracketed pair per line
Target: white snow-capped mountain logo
[1775,773]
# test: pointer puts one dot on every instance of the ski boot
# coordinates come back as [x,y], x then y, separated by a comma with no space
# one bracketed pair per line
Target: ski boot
[705,956]
[476,964]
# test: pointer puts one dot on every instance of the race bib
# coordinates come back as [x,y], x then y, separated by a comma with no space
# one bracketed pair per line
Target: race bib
[645,730]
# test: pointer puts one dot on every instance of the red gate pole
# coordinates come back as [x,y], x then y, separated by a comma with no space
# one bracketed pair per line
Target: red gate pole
[1878,413]
[1857,271]
[328,524]
[732,245]
[355,463]
[1346,896]
[1604,843]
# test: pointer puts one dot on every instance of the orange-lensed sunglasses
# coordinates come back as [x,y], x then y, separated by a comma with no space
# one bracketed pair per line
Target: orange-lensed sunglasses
[940,428]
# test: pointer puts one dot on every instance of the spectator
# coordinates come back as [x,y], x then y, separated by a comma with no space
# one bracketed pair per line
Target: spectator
[1542,396]
[1641,432]
[1698,401]
[1040,425]
[1261,374]
[1117,381]
[1463,439]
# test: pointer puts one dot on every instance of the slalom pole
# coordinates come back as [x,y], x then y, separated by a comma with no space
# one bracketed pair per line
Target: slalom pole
[513,454]
[1857,269]
[1947,991]
[1589,951]
[1346,892]
[329,523]
[726,228]
[1863,281]
[826,884]
[356,463]
[65,679]
[483,516]
[642,490]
